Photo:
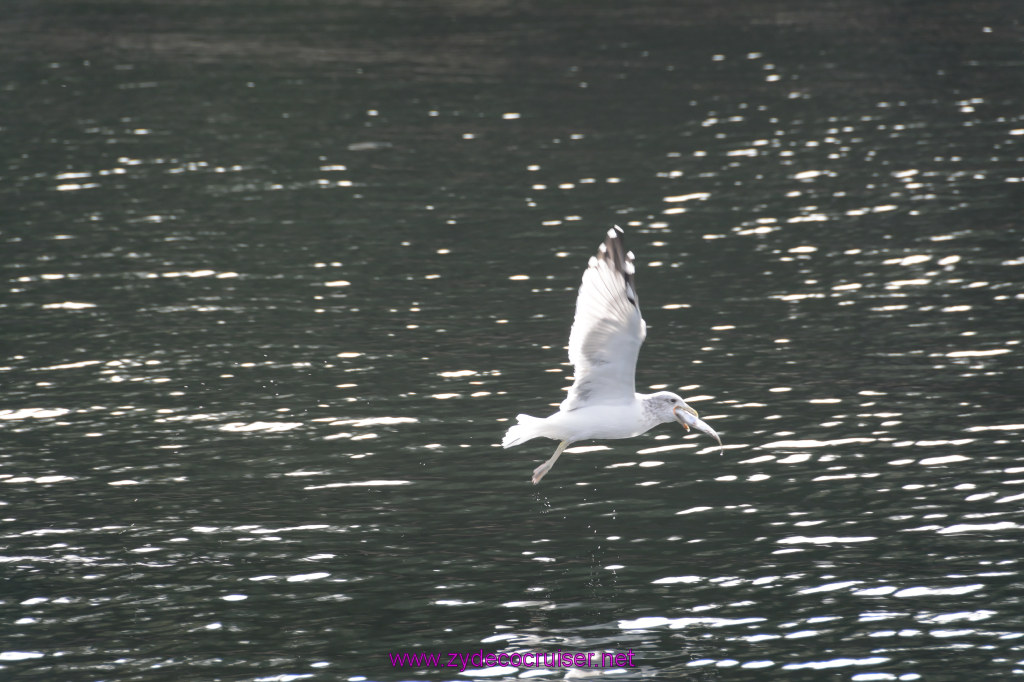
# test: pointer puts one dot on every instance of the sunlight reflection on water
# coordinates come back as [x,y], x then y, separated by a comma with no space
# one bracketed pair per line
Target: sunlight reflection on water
[267,321]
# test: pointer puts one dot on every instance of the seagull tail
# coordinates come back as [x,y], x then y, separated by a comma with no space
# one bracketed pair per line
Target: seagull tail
[528,428]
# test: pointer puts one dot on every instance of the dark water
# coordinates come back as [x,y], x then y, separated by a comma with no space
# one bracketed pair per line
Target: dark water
[276,276]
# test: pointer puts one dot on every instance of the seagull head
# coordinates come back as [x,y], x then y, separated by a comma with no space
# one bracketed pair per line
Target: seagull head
[672,408]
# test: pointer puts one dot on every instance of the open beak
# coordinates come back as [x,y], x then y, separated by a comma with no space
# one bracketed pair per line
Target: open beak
[687,416]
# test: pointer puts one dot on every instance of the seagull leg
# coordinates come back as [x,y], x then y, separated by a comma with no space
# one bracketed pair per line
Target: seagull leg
[539,472]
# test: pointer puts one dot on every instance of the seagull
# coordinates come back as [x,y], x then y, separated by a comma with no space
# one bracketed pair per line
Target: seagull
[604,342]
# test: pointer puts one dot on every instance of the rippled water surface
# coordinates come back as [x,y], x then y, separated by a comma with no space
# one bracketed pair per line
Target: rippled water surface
[276,278]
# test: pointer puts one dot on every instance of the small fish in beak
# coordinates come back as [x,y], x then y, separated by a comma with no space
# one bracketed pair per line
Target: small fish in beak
[687,416]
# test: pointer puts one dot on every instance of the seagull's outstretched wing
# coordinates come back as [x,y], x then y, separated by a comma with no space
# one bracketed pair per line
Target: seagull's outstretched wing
[608,329]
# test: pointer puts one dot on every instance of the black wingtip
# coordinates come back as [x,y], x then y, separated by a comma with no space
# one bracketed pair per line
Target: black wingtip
[613,251]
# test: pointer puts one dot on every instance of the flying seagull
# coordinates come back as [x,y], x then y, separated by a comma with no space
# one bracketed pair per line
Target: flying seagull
[603,346]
